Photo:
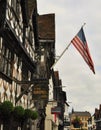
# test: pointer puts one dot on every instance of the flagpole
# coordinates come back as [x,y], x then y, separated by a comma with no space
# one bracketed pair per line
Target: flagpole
[61,55]
[64,50]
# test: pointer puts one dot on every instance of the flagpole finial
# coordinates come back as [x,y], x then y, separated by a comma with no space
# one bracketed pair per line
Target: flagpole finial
[83,25]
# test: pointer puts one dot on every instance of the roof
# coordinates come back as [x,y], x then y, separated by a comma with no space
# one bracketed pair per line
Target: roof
[78,113]
[46,27]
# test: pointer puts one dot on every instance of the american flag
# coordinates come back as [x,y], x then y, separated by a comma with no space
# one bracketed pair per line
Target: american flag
[80,43]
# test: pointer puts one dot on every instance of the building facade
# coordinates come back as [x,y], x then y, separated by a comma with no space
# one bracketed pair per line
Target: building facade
[82,117]
[97,118]
[18,43]
[66,117]
[56,105]
[27,54]
[26,57]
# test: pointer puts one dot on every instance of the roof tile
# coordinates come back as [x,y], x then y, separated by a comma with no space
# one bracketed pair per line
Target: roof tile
[46,26]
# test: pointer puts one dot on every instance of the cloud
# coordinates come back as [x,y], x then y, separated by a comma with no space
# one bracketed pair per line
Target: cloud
[82,86]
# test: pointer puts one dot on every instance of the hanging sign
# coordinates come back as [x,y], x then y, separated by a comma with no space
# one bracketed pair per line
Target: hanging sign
[40,92]
[56,110]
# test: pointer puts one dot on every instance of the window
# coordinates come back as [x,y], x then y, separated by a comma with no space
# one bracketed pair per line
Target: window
[85,124]
[5,60]
[18,8]
[24,71]
[13,4]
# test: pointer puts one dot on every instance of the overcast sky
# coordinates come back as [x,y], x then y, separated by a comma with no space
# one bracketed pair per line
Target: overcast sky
[83,88]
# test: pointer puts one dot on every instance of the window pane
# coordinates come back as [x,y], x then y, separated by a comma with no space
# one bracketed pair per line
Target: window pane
[13,4]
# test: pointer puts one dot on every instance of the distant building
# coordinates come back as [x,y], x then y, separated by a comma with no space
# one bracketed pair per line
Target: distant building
[97,118]
[91,123]
[83,116]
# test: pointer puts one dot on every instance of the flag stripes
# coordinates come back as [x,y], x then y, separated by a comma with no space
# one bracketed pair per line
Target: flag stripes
[79,41]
